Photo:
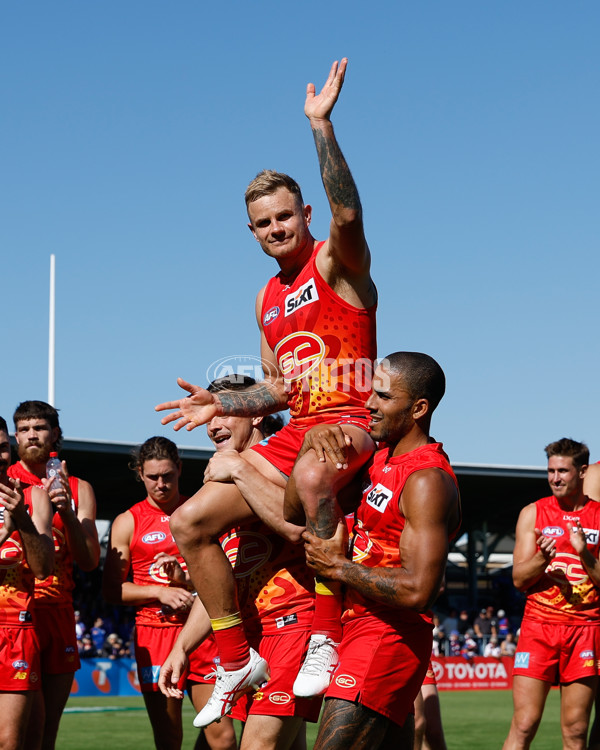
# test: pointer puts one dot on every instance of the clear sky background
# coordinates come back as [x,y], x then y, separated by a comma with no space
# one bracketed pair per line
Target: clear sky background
[130,129]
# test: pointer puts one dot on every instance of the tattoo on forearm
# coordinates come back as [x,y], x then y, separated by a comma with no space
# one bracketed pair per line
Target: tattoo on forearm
[335,173]
[254,402]
[375,583]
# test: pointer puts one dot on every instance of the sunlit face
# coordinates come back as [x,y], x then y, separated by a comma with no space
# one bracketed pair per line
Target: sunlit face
[280,223]
[233,433]
[35,440]
[564,478]
[161,480]
[4,455]
[391,407]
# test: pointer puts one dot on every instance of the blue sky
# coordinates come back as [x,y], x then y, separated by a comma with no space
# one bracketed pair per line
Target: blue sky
[131,129]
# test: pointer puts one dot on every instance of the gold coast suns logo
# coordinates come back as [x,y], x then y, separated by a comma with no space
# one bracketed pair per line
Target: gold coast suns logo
[11,554]
[567,567]
[157,573]
[299,354]
[361,543]
[246,551]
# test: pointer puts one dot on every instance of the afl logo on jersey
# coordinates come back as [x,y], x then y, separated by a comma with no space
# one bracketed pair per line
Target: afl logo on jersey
[154,537]
[553,531]
[270,315]
[298,354]
[303,296]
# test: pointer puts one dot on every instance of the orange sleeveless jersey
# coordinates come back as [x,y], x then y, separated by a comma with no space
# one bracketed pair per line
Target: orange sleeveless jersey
[565,593]
[152,535]
[16,578]
[324,346]
[275,588]
[379,523]
[57,589]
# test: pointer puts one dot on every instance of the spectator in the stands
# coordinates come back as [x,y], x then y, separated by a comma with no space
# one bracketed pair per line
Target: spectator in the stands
[454,644]
[508,646]
[470,648]
[464,622]
[492,648]
[503,624]
[450,622]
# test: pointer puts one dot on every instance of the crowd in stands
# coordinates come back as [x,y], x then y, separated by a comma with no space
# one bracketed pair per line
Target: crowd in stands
[489,633]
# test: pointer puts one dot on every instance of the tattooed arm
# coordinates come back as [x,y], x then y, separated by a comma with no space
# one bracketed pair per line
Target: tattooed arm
[200,406]
[345,260]
[429,503]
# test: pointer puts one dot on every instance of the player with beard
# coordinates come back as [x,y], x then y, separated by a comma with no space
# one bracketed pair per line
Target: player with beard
[38,433]
[408,512]
[317,324]
[26,550]
[274,589]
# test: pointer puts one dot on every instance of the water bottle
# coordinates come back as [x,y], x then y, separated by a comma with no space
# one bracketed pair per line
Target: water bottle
[53,468]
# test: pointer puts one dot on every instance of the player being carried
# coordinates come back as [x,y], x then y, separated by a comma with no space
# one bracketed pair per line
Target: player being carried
[317,323]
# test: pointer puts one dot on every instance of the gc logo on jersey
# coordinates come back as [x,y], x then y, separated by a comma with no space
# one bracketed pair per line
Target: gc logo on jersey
[345,681]
[306,294]
[298,354]
[379,497]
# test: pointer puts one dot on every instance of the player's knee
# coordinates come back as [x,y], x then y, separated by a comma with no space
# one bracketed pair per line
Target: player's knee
[312,476]
[574,732]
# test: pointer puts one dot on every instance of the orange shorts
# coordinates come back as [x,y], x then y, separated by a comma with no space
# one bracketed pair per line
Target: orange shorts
[152,646]
[382,666]
[557,653]
[203,660]
[19,660]
[55,628]
[282,448]
[285,655]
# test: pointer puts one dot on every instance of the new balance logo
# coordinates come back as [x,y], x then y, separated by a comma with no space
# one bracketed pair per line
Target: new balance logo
[306,294]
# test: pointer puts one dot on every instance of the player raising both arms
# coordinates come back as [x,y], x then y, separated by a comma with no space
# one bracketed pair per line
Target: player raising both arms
[317,322]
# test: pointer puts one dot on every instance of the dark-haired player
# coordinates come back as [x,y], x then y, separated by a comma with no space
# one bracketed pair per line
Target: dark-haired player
[38,433]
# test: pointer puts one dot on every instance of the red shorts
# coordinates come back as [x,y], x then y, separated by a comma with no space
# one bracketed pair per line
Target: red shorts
[19,660]
[203,660]
[282,448]
[285,655]
[382,666]
[152,646]
[557,653]
[430,676]
[55,628]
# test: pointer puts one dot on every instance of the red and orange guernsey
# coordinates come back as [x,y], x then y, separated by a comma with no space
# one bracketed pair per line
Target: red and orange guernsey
[565,593]
[324,346]
[16,578]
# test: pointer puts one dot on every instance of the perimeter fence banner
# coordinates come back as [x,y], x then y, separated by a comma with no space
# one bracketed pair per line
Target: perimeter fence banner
[99,677]
[480,673]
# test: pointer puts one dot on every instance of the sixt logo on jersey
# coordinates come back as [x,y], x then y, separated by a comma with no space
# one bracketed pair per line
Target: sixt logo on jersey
[154,537]
[591,536]
[553,531]
[379,497]
[306,294]
[270,315]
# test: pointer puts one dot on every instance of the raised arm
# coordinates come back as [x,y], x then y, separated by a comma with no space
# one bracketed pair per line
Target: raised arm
[533,551]
[346,253]
[429,503]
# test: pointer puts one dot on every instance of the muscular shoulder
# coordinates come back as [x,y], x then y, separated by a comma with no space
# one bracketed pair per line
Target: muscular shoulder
[429,489]
[123,527]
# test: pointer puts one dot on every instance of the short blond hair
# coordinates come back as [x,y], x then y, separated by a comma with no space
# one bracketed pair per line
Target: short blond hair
[267,182]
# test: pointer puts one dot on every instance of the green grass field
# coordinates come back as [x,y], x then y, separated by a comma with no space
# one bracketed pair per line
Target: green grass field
[472,721]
